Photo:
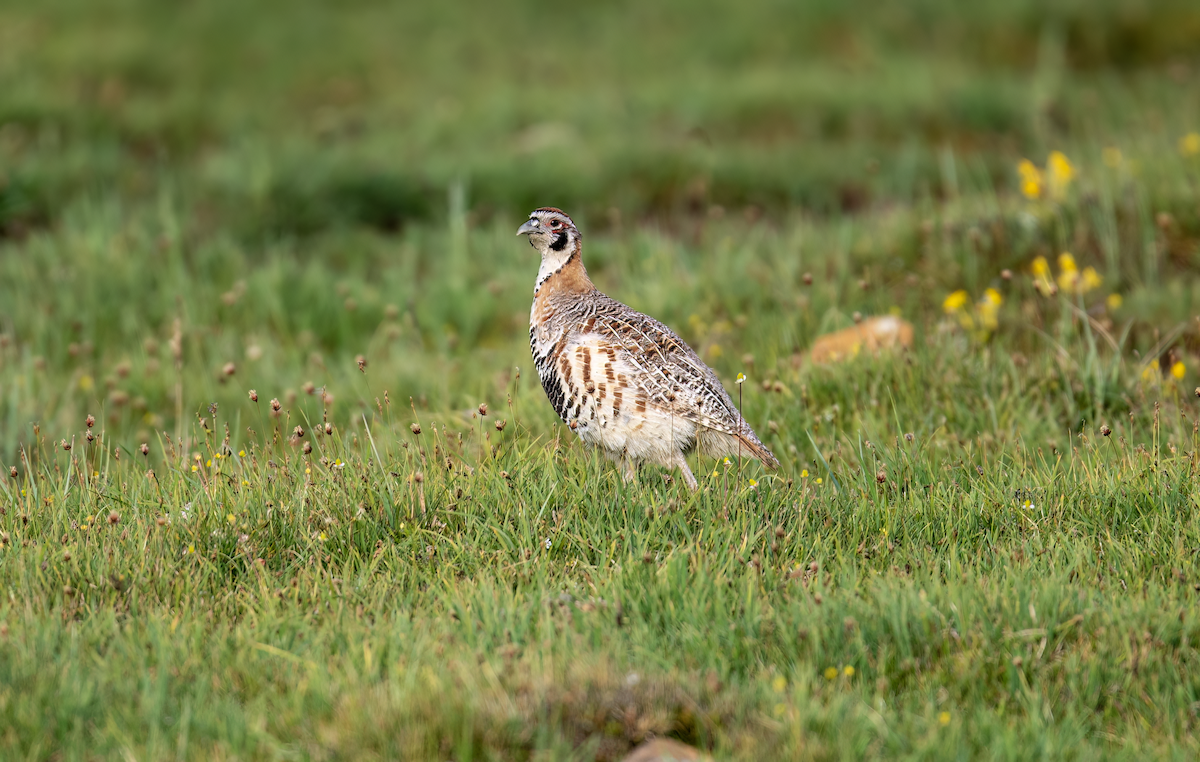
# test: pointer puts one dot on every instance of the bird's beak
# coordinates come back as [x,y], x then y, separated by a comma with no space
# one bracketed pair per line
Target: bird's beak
[530,226]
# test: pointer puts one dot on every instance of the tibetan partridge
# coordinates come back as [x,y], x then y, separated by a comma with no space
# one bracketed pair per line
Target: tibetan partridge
[622,380]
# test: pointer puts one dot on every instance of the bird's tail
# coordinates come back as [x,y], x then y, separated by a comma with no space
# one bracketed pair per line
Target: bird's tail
[720,444]
[759,451]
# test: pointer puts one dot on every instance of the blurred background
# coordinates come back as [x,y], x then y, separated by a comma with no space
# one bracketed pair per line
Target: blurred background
[258,193]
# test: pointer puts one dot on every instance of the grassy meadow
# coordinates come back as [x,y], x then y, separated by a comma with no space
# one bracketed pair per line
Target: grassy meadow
[278,481]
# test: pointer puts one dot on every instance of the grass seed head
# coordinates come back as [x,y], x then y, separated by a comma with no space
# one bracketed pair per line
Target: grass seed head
[254,395]
[114,517]
[229,369]
[309,387]
[307,448]
[362,363]
[808,279]
[13,472]
[275,406]
[298,432]
[1105,430]
[328,428]
[416,428]
[65,445]
[500,424]
[1006,274]
[91,420]
[145,448]
[90,436]
[483,408]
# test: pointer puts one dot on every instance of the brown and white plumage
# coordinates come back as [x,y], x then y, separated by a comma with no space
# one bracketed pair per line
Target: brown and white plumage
[620,379]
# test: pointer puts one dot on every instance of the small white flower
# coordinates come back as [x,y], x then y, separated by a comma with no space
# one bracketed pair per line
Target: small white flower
[547,543]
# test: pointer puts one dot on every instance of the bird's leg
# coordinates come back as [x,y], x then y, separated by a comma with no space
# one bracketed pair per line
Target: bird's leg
[630,472]
[688,479]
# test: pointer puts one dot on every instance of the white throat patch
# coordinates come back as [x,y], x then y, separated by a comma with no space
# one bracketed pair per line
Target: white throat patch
[552,262]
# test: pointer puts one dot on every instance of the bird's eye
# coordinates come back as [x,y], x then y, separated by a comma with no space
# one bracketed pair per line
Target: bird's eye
[555,223]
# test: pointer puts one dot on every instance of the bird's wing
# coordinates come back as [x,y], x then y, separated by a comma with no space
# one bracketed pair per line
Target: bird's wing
[666,369]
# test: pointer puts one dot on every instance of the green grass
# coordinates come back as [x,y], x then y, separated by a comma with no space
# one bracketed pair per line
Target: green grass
[955,560]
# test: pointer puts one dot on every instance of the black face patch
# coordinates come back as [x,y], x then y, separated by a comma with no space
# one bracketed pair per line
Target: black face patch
[560,241]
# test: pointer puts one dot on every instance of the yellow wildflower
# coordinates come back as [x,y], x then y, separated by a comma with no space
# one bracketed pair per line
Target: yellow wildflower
[1042,280]
[741,378]
[1189,144]
[231,518]
[831,673]
[1114,301]
[848,671]
[1179,370]
[1031,179]
[241,453]
[820,480]
[779,684]
[955,302]
[322,537]
[944,718]
[804,473]
[987,310]
[1068,273]
[1071,279]
[208,463]
[1059,168]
